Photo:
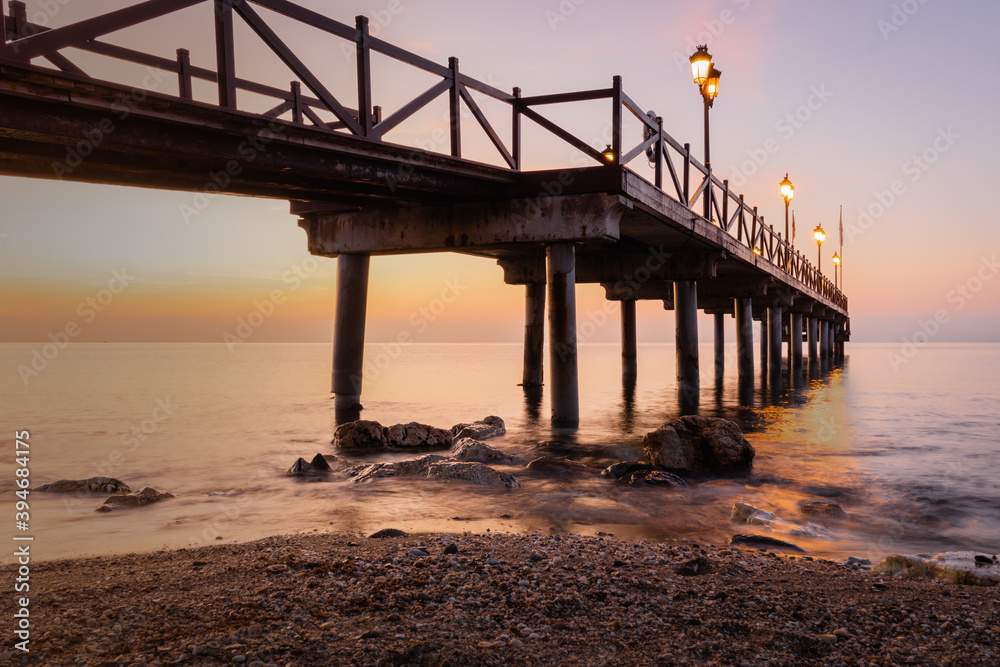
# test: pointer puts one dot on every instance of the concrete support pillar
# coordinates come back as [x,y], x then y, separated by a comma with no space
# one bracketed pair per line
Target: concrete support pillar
[720,344]
[686,330]
[774,339]
[561,267]
[795,330]
[763,343]
[629,347]
[349,330]
[813,338]
[744,348]
[824,339]
[534,335]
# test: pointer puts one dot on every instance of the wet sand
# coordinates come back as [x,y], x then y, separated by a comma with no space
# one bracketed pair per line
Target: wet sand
[493,599]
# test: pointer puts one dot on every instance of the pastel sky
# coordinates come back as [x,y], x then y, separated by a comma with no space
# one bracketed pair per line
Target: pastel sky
[887,107]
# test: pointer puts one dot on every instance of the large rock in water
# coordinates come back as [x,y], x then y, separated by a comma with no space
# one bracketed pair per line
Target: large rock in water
[416,435]
[407,468]
[699,444]
[489,427]
[475,473]
[468,449]
[89,485]
[147,496]
[318,466]
[361,434]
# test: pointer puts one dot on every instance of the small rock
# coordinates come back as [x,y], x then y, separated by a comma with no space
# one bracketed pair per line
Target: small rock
[469,449]
[360,434]
[492,561]
[655,478]
[277,567]
[534,555]
[489,427]
[842,633]
[765,541]
[829,639]
[822,509]
[89,485]
[418,553]
[147,496]
[451,548]
[388,532]
[623,468]
[694,567]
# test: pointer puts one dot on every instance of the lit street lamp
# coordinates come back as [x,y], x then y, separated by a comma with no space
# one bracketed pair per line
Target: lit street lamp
[706,77]
[836,266]
[787,192]
[820,236]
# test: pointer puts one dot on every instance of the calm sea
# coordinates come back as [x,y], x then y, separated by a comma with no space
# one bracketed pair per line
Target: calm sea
[911,453]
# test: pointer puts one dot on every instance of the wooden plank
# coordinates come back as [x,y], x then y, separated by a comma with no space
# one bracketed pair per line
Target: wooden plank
[641,148]
[405,56]
[303,15]
[490,132]
[616,120]
[64,63]
[564,135]
[292,61]
[225,53]
[284,107]
[59,38]
[673,173]
[515,122]
[184,86]
[410,108]
[485,88]
[560,98]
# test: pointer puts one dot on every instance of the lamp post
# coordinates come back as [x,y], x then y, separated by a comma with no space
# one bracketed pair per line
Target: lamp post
[820,236]
[706,77]
[787,193]
[836,267]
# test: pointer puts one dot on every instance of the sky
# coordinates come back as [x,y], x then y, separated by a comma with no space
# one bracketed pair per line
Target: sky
[864,103]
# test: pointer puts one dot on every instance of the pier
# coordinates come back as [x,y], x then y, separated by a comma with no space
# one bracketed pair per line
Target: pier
[684,238]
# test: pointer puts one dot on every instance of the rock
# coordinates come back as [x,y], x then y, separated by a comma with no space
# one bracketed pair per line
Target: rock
[475,473]
[764,541]
[277,567]
[451,548]
[534,555]
[147,496]
[318,466]
[405,468]
[418,553]
[89,485]
[819,508]
[489,427]
[655,478]
[623,468]
[695,566]
[698,444]
[957,567]
[559,467]
[744,513]
[842,633]
[388,532]
[414,434]
[854,560]
[361,434]
[469,449]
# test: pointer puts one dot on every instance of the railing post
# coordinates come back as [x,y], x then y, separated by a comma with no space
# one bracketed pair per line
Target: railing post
[753,232]
[687,175]
[296,102]
[724,223]
[616,119]
[225,53]
[364,76]
[19,26]
[742,223]
[658,152]
[184,74]
[456,109]
[3,31]
[515,140]
[707,196]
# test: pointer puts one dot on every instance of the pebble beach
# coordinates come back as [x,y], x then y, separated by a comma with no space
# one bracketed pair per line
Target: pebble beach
[494,599]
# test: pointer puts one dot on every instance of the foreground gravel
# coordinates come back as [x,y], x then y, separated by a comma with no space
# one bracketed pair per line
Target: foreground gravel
[499,599]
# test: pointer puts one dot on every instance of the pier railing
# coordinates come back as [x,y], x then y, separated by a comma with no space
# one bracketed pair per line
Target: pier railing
[24,41]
